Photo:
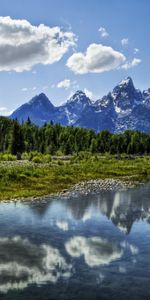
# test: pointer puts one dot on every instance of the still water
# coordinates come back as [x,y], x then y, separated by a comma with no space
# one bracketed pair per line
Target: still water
[82,247]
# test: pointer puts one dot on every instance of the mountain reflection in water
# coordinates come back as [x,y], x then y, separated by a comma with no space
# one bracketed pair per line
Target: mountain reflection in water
[89,247]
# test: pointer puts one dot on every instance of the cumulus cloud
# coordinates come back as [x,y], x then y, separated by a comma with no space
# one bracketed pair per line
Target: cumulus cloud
[23,45]
[65,84]
[124,41]
[96,251]
[97,59]
[103,32]
[23,263]
[135,62]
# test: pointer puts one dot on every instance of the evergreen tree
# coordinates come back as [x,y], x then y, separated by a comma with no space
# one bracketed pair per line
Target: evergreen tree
[17,140]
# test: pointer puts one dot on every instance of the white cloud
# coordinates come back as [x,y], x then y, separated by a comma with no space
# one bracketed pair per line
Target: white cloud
[4,111]
[88,93]
[136,50]
[23,45]
[65,84]
[63,225]
[124,41]
[96,251]
[97,59]
[103,32]
[135,62]
[23,263]
[34,88]
[24,89]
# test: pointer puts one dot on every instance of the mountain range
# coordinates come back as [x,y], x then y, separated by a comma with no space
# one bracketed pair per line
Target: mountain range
[124,108]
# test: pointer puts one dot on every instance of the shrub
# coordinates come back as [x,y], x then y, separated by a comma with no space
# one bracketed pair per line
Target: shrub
[26,156]
[47,158]
[59,153]
[33,154]
[37,160]
[60,163]
[7,157]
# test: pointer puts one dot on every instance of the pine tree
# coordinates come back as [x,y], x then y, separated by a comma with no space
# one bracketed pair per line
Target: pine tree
[17,140]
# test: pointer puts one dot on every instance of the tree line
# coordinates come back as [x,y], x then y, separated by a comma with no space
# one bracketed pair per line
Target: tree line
[53,139]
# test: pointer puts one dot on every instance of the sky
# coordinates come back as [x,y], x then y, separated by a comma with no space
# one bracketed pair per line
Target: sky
[60,46]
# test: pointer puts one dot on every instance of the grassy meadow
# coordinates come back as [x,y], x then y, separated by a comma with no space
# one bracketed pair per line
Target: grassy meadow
[37,174]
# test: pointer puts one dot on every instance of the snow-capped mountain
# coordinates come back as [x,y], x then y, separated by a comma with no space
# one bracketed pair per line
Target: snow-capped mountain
[75,106]
[40,110]
[124,108]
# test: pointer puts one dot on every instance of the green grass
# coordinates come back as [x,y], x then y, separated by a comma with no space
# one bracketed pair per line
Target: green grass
[25,179]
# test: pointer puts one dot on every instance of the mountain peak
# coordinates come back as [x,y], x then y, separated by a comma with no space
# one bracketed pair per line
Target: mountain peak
[41,98]
[126,82]
[78,93]
[125,97]
[124,88]
[78,96]
[124,108]
[38,109]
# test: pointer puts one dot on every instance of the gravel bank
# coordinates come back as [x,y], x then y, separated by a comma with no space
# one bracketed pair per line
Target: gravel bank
[84,188]
[96,186]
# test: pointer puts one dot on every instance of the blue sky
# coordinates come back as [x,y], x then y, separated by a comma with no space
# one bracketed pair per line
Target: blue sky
[108,40]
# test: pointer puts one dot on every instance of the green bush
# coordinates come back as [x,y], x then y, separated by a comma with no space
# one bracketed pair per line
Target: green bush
[26,156]
[37,160]
[33,154]
[60,162]
[59,153]
[47,158]
[7,157]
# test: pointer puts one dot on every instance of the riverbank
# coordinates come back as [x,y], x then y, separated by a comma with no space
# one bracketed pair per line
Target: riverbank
[24,179]
[83,188]
[98,185]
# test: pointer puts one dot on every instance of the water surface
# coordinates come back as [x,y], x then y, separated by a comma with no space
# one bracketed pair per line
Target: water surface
[82,247]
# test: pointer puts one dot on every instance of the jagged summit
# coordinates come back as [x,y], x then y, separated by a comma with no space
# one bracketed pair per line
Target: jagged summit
[126,96]
[78,96]
[124,87]
[126,107]
[126,82]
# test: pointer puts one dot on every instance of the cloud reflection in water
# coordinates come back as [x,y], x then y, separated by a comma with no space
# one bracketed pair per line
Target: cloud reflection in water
[23,263]
[96,251]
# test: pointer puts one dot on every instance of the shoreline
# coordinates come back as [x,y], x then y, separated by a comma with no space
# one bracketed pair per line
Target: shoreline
[82,188]
[25,180]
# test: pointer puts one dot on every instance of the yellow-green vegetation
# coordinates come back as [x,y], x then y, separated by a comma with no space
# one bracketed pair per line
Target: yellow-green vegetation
[40,175]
